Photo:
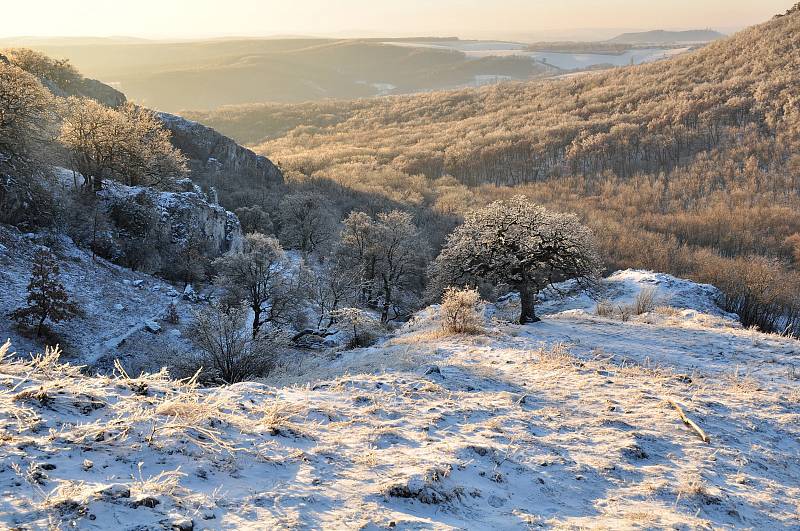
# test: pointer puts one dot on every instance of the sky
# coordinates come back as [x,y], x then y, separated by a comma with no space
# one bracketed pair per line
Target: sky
[464,18]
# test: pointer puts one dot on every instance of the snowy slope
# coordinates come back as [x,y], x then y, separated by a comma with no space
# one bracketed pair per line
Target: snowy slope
[117,302]
[566,423]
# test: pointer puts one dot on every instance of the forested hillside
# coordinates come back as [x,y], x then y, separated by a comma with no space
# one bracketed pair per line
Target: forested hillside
[688,165]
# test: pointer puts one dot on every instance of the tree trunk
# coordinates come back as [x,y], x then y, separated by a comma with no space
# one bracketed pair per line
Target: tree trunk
[256,320]
[387,301]
[41,324]
[528,303]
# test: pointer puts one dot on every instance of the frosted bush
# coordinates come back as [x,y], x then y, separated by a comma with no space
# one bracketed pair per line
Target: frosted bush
[462,311]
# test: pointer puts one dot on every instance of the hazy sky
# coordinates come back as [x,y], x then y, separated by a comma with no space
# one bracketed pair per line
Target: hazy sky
[192,18]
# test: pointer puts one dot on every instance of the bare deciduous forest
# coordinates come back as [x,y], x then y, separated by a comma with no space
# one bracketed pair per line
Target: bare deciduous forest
[689,166]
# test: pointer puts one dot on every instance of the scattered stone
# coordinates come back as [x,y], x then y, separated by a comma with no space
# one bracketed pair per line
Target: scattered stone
[179,523]
[137,283]
[433,369]
[115,491]
[152,327]
[496,501]
[47,466]
[87,464]
[634,452]
[145,501]
[118,307]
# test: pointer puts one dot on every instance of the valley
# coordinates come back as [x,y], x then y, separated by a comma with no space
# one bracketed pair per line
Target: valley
[399,282]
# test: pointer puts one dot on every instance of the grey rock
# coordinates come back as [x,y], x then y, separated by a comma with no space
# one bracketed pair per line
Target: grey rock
[115,491]
[152,327]
[189,293]
[181,218]
[179,523]
[433,369]
[145,501]
[211,153]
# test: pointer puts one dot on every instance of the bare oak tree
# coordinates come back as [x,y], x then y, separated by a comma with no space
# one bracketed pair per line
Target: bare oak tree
[307,222]
[262,276]
[388,254]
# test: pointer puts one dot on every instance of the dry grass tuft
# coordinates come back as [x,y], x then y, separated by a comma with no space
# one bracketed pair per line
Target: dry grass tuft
[276,417]
[462,312]
[645,301]
[165,483]
[604,308]
[555,356]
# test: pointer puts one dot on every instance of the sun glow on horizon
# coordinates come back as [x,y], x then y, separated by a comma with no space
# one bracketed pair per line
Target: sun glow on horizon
[502,18]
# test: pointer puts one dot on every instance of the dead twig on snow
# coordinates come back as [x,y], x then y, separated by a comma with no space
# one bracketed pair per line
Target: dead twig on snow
[689,422]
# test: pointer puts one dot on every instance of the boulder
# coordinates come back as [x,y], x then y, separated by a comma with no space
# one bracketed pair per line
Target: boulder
[152,327]
[189,293]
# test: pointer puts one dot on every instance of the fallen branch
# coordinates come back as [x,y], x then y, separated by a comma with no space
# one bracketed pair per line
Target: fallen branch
[689,422]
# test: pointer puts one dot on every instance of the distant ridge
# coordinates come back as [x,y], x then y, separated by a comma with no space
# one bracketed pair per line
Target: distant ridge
[666,37]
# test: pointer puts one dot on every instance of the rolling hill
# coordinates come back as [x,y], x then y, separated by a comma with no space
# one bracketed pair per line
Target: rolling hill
[171,76]
[668,37]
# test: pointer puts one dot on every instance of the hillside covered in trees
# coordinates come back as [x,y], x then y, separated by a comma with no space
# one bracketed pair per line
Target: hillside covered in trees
[688,165]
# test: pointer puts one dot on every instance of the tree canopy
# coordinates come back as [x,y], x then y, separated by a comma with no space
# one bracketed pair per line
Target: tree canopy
[521,245]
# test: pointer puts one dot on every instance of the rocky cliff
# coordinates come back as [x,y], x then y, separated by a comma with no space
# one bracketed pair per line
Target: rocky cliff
[184,217]
[105,94]
[213,156]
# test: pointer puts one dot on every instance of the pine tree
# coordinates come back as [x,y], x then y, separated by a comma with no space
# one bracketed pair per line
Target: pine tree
[47,298]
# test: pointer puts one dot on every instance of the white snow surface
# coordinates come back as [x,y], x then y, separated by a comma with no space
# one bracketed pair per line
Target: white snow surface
[117,302]
[566,423]
[562,60]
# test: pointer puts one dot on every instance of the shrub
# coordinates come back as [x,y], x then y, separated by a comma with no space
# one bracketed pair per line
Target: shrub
[227,349]
[645,301]
[172,314]
[365,328]
[604,308]
[462,311]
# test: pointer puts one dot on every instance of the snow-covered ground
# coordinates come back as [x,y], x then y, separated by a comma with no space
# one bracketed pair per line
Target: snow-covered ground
[117,301]
[567,423]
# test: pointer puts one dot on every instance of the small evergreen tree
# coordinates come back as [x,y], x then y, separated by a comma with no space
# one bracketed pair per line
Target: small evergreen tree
[47,298]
